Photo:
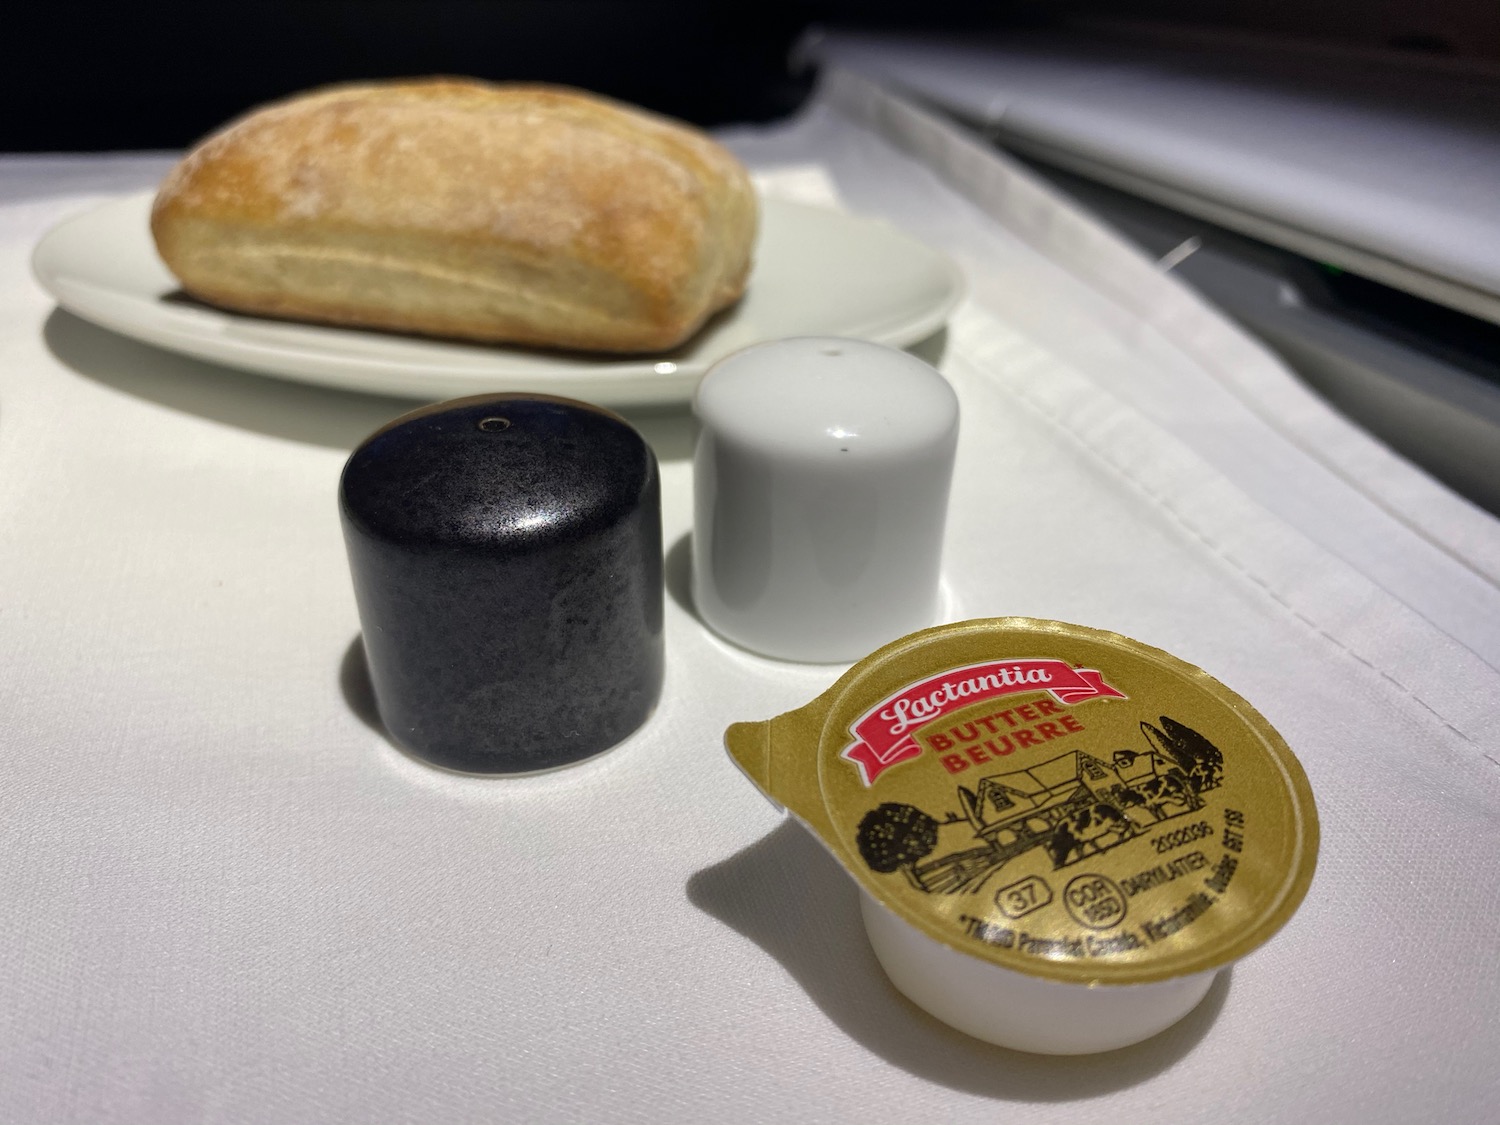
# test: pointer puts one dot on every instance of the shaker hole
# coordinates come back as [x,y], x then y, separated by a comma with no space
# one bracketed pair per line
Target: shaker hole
[494,424]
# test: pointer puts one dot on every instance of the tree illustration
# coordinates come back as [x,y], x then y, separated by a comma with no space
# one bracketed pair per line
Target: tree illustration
[892,836]
[1200,760]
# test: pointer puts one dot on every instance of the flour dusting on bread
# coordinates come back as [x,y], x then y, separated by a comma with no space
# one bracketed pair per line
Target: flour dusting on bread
[502,213]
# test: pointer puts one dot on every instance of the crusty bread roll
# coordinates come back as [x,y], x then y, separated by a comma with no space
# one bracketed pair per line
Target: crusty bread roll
[519,214]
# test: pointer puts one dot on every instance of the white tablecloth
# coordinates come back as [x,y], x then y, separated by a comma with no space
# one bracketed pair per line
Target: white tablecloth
[225,897]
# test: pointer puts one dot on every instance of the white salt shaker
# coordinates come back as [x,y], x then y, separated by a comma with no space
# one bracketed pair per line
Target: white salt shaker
[820,490]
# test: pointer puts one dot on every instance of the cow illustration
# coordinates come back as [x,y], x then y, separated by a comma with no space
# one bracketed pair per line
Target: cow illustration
[1094,827]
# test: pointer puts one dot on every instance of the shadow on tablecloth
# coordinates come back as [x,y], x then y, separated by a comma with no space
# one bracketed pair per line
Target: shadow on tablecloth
[278,407]
[339,419]
[789,896]
[358,691]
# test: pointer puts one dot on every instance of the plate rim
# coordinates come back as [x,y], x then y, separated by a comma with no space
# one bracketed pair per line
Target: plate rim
[626,381]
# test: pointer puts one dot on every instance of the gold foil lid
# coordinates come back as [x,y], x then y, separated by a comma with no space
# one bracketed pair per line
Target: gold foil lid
[1058,800]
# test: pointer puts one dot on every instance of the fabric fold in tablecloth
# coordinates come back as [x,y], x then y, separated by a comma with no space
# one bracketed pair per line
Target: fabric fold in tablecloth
[1173,357]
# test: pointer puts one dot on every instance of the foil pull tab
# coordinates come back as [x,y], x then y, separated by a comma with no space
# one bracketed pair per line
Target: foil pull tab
[749,744]
[750,747]
[780,756]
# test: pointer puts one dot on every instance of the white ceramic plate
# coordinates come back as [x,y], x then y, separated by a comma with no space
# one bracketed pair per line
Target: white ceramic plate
[817,272]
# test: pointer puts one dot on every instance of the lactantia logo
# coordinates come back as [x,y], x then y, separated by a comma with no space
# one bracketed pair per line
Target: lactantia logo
[882,735]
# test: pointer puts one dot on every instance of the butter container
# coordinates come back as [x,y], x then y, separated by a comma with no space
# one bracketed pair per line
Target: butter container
[1061,835]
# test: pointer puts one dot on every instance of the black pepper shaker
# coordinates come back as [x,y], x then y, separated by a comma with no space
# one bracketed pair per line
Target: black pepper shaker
[507,560]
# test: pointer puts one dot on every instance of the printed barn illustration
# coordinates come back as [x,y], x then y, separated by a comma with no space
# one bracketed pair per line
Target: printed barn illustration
[1074,805]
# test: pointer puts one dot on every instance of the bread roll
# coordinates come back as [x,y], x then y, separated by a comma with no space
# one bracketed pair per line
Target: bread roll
[518,214]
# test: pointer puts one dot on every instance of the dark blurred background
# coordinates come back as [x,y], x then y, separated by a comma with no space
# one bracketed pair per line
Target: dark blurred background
[153,75]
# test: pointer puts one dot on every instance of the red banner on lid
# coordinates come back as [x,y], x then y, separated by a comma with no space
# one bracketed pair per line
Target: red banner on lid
[882,737]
